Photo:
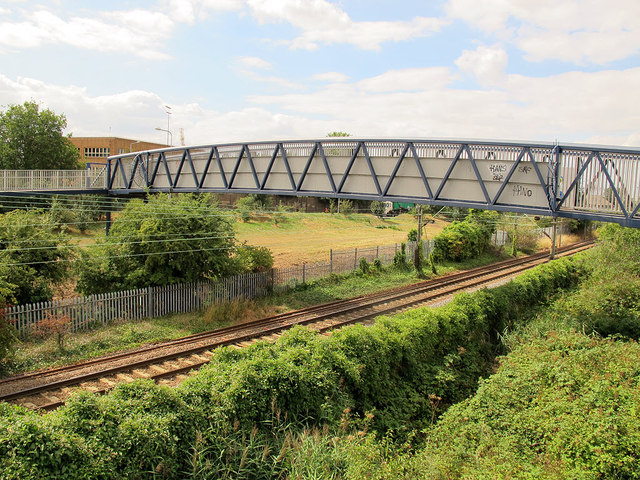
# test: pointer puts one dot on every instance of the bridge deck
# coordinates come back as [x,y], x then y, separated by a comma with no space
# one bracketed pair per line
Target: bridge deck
[576,181]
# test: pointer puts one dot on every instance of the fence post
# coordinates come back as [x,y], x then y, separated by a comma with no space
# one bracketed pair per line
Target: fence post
[331,259]
[304,272]
[149,302]
[377,251]
[355,258]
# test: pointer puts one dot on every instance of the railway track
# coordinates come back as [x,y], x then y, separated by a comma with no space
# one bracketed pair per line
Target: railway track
[173,360]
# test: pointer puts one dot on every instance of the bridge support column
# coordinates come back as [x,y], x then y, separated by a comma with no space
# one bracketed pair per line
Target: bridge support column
[107,225]
[416,254]
[554,228]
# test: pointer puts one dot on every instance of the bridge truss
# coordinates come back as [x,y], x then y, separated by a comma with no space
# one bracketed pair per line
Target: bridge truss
[574,181]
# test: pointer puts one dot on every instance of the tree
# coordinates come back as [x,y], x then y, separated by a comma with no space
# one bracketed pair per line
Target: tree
[161,241]
[32,256]
[338,134]
[31,138]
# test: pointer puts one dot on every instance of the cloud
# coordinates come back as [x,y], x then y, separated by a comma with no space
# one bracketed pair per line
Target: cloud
[572,107]
[487,64]
[254,63]
[247,66]
[190,11]
[577,31]
[136,32]
[142,32]
[332,77]
[409,79]
[323,22]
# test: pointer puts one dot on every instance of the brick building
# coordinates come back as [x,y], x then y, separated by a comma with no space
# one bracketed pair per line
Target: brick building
[97,149]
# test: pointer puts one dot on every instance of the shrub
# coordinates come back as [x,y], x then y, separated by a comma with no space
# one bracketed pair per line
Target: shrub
[61,212]
[242,411]
[560,407]
[466,239]
[346,207]
[8,339]
[255,259]
[400,257]
[377,208]
[364,267]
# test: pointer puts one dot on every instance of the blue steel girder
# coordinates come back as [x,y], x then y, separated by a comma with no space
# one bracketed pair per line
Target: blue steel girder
[522,177]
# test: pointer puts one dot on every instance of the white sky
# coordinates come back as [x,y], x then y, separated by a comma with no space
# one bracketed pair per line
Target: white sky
[234,70]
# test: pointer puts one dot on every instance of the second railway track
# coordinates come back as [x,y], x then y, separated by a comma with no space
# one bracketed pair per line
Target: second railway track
[174,359]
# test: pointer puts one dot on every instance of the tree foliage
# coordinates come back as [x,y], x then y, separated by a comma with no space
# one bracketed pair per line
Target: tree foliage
[32,255]
[161,241]
[32,138]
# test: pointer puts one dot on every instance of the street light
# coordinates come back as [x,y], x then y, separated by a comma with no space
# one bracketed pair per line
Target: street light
[167,109]
[168,134]
[132,144]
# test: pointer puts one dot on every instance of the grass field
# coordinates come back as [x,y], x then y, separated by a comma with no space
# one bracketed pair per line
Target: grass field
[308,237]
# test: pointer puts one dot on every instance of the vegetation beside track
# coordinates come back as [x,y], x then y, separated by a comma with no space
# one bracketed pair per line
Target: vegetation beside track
[36,353]
[252,413]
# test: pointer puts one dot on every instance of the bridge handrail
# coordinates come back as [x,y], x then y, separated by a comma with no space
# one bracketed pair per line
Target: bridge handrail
[440,141]
[91,178]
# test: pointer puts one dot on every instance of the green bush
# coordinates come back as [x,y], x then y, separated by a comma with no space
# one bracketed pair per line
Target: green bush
[255,259]
[232,418]
[377,208]
[560,407]
[61,212]
[400,257]
[466,239]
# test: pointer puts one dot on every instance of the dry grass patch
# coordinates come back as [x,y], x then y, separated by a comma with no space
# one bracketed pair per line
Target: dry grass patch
[309,237]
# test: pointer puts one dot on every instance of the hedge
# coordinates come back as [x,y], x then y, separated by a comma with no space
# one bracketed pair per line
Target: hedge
[231,420]
[563,406]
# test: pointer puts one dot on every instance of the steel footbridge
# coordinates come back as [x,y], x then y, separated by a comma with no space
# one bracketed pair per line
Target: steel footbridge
[560,180]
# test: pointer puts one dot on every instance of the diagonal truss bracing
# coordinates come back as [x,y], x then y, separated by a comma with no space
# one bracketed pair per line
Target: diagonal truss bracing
[575,181]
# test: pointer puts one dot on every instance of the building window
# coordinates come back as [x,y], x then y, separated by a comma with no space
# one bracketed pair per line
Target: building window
[96,152]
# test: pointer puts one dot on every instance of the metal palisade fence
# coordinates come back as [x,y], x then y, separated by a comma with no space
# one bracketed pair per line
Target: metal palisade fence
[87,312]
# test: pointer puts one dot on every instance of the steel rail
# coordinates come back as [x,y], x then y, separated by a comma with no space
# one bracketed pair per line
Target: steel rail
[324,307]
[276,324]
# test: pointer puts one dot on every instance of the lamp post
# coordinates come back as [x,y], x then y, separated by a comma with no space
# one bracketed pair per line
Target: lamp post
[132,144]
[167,109]
[169,134]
